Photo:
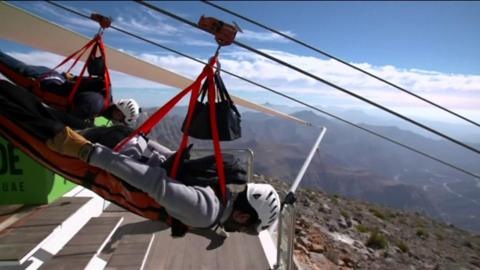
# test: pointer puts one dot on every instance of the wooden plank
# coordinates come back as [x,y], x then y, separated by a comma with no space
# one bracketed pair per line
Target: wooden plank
[199,249]
[26,234]
[160,250]
[131,252]
[80,250]
[72,262]
[174,253]
[255,253]
[129,244]
[196,251]
[107,252]
[114,208]
[174,259]
[125,228]
[134,242]
[10,214]
[196,257]
[230,252]
[7,210]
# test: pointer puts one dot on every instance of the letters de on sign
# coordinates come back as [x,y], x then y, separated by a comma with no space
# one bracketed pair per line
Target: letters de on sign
[9,160]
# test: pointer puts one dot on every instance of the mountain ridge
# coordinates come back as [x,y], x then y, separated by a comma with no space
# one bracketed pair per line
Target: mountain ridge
[353,163]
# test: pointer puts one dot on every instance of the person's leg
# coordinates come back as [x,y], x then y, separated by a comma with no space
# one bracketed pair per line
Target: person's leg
[22,68]
[21,106]
[108,136]
[69,120]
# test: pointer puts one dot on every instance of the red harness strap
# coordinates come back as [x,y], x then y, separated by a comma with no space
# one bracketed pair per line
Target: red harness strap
[80,52]
[98,42]
[147,126]
[68,102]
[194,88]
[107,76]
[216,139]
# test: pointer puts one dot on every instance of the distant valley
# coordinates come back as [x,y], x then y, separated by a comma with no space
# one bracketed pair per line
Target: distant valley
[356,164]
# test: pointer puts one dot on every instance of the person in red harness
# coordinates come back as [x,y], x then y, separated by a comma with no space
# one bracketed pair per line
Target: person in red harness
[88,102]
[252,210]
[140,170]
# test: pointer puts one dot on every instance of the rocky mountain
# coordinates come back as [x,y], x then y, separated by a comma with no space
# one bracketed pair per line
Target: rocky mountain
[333,232]
[355,164]
[463,131]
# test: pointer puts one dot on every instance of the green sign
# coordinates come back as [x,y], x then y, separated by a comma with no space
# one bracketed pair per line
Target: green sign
[24,181]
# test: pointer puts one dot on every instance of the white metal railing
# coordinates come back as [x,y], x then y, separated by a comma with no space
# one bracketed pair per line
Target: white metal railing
[287,218]
[285,238]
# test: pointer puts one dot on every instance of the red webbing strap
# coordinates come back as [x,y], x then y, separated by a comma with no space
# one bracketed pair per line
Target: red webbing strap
[191,108]
[92,43]
[147,126]
[216,139]
[107,75]
[77,83]
[80,77]
[93,53]
[81,51]
[213,123]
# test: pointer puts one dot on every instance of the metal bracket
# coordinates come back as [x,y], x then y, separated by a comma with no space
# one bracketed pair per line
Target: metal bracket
[103,21]
[224,33]
[289,199]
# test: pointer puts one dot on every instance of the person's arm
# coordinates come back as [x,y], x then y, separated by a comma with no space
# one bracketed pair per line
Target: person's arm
[194,206]
[135,147]
[161,149]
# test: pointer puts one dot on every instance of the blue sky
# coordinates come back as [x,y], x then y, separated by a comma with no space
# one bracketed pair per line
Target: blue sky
[430,48]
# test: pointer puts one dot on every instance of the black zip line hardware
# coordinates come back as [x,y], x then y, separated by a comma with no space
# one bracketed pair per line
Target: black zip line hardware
[308,74]
[302,43]
[280,94]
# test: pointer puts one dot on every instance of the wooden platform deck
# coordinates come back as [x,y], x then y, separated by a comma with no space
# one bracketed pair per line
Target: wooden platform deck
[81,251]
[199,249]
[27,234]
[118,239]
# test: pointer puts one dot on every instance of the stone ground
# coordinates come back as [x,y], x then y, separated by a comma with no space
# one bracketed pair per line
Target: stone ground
[333,232]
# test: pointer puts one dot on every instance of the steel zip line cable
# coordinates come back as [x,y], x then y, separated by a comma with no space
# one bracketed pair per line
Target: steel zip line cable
[308,74]
[338,60]
[280,94]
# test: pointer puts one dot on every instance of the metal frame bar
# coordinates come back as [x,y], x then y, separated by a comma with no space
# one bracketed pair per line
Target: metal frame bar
[305,165]
[279,240]
[289,203]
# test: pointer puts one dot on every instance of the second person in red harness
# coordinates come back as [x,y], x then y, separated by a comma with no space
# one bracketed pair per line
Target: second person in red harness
[88,102]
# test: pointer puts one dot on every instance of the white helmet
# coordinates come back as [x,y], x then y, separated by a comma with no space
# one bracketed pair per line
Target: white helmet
[266,202]
[130,109]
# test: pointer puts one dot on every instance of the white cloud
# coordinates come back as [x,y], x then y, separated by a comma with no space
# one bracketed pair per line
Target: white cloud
[455,91]
[143,22]
[422,81]
[199,42]
[143,26]
[181,65]
[263,36]
[65,17]
[38,58]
